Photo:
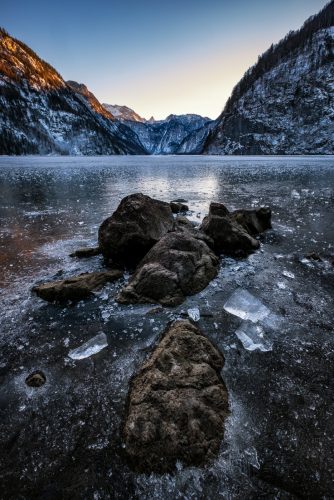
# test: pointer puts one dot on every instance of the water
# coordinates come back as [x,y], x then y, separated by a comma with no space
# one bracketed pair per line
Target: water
[65,439]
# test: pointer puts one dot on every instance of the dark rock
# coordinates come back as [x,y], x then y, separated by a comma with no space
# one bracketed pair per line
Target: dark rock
[83,253]
[254,221]
[218,209]
[36,379]
[177,404]
[180,264]
[229,237]
[233,232]
[313,256]
[181,222]
[179,200]
[178,207]
[76,288]
[137,224]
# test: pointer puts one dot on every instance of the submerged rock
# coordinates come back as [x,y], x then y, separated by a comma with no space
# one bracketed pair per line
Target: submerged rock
[76,288]
[137,224]
[36,379]
[177,403]
[179,200]
[83,253]
[232,232]
[180,264]
[178,207]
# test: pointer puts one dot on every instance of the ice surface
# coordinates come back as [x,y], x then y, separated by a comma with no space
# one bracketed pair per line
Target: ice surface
[94,345]
[194,314]
[253,337]
[244,305]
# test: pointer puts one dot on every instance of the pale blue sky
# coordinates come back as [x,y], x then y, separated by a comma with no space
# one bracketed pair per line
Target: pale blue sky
[158,57]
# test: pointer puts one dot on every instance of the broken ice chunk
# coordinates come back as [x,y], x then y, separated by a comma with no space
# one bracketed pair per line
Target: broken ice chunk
[244,305]
[194,314]
[295,194]
[252,337]
[288,274]
[94,345]
[272,322]
[281,285]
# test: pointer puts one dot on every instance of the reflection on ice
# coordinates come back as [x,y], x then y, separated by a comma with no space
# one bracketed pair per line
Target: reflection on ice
[244,305]
[94,345]
[252,337]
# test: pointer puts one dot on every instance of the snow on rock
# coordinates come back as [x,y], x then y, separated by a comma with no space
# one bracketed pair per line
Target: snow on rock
[284,103]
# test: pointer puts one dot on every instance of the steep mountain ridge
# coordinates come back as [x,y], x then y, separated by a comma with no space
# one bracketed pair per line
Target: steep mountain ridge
[284,104]
[41,114]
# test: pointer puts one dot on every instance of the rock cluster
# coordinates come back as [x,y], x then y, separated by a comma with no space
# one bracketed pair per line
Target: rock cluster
[233,232]
[177,404]
[170,257]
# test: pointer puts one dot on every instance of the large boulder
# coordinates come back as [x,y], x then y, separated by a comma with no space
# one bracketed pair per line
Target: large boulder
[254,221]
[177,404]
[76,288]
[180,264]
[137,224]
[233,232]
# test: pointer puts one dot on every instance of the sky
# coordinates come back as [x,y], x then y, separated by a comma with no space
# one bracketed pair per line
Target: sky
[156,56]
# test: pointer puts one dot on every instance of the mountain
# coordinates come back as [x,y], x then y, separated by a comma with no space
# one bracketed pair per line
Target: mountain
[284,104]
[172,135]
[177,134]
[42,114]
[123,113]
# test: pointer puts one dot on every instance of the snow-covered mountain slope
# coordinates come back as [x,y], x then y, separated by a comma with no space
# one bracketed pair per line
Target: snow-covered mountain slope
[285,103]
[170,136]
[41,114]
[123,113]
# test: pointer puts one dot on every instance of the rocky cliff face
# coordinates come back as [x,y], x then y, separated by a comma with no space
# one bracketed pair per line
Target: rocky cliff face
[285,103]
[178,134]
[42,114]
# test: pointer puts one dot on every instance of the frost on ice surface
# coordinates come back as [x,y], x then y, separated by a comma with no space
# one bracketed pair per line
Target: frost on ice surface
[295,194]
[94,345]
[194,314]
[244,305]
[252,337]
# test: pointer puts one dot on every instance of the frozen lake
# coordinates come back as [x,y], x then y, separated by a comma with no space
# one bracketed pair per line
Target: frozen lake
[63,440]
